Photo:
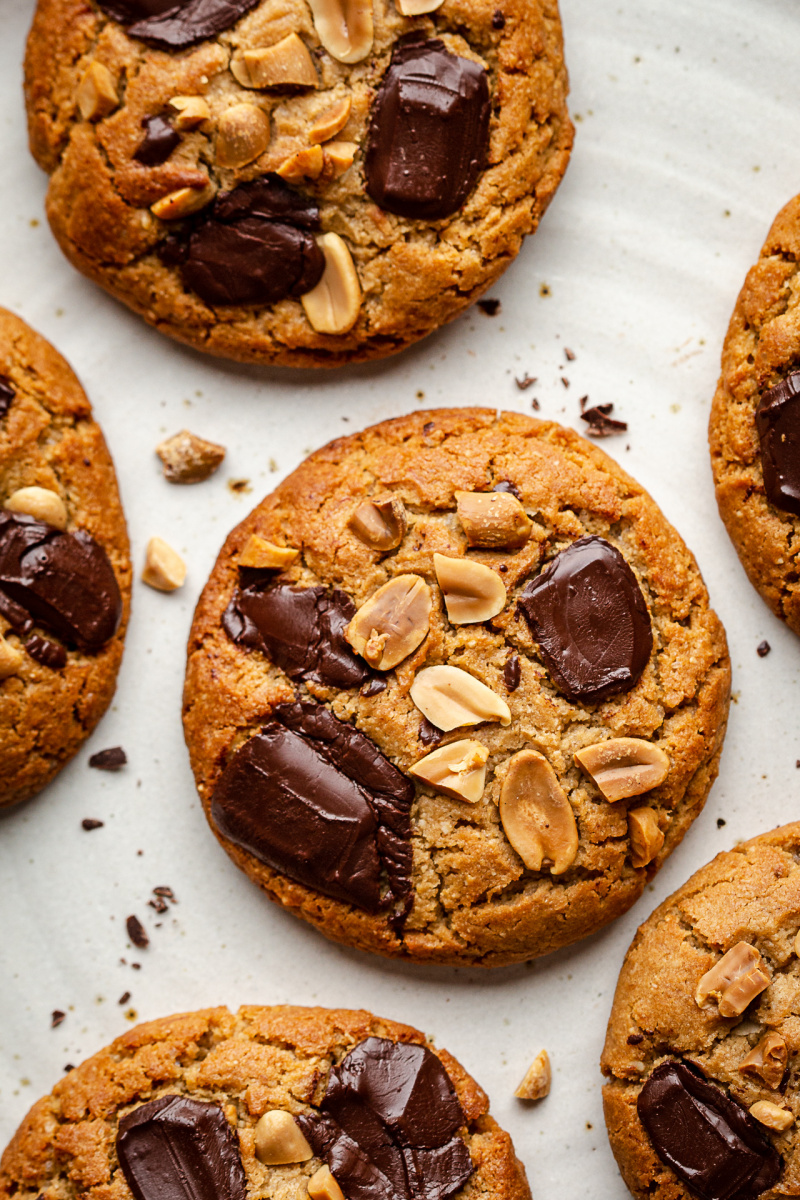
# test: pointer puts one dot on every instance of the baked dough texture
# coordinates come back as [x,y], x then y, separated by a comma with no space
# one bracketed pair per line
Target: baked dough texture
[48,439]
[761,347]
[748,894]
[415,275]
[474,901]
[257,1059]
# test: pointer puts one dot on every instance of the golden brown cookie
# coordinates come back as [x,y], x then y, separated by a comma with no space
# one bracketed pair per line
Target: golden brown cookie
[454,690]
[308,184]
[264,1103]
[754,432]
[702,1094]
[65,575]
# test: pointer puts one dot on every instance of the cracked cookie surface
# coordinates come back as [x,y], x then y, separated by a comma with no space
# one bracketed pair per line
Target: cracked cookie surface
[751,895]
[123,190]
[54,690]
[466,896]
[257,1060]
[762,348]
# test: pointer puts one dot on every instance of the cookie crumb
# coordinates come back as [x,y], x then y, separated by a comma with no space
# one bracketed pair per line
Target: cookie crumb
[89,823]
[489,307]
[124,998]
[544,289]
[109,760]
[137,932]
[536,1084]
[526,381]
[187,458]
[763,649]
[56,1018]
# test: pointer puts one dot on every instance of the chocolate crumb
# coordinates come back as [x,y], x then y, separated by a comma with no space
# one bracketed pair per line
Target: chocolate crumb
[763,649]
[584,400]
[535,404]
[601,423]
[373,687]
[526,381]
[797,764]
[498,20]
[503,568]
[512,673]
[635,1039]
[89,823]
[505,485]
[136,966]
[166,892]
[69,1067]
[239,486]
[428,734]
[427,427]
[57,1017]
[721,822]
[109,760]
[490,307]
[137,933]
[565,381]
[569,355]
[124,998]
[159,904]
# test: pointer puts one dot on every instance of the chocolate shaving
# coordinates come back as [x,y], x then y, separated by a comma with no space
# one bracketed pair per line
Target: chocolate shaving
[109,760]
[526,381]
[601,423]
[89,823]
[57,1017]
[137,932]
[166,892]
[124,998]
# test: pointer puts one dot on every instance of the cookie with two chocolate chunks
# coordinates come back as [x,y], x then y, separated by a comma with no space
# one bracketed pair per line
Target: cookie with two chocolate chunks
[64,593]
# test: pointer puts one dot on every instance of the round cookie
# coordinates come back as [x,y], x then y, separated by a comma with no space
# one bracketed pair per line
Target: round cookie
[473,784]
[702,1088]
[754,433]
[277,1103]
[65,574]
[292,182]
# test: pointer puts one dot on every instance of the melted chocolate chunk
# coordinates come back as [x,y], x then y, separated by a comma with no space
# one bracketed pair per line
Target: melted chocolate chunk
[7,394]
[176,1148]
[708,1139]
[428,734]
[589,616]
[512,673]
[62,581]
[374,687]
[160,140]
[316,800]
[778,425]
[300,629]
[49,654]
[389,1126]
[505,485]
[173,26]
[429,131]
[256,247]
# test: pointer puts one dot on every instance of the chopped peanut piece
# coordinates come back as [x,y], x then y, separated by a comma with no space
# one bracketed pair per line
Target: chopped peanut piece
[338,158]
[457,770]
[164,569]
[392,623]
[188,458]
[417,8]
[191,112]
[304,164]
[624,767]
[797,945]
[243,134]
[536,815]
[767,1059]
[97,93]
[41,503]
[279,1140]
[472,592]
[734,981]
[333,305]
[10,659]
[285,64]
[380,524]
[183,202]
[450,697]
[772,1115]
[645,835]
[495,520]
[264,555]
[344,27]
[323,1186]
[331,122]
[536,1084]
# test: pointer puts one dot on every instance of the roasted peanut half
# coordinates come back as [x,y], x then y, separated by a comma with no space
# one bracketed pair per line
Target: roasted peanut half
[624,767]
[304,164]
[450,697]
[242,135]
[331,122]
[183,202]
[536,815]
[333,305]
[734,981]
[279,1140]
[323,1186]
[164,569]
[457,770]
[97,93]
[190,112]
[10,659]
[264,555]
[188,458]
[380,524]
[344,27]
[285,64]
[495,520]
[472,592]
[767,1059]
[41,503]
[772,1115]
[645,835]
[536,1083]
[392,623]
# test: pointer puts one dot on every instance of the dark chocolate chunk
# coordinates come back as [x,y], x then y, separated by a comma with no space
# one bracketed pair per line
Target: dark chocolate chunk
[512,673]
[429,131]
[109,760]
[49,654]
[56,1018]
[137,932]
[389,1125]
[159,141]
[177,1148]
[173,26]
[763,649]
[505,485]
[374,687]
[489,308]
[778,426]
[721,822]
[601,423]
[124,998]
[316,800]
[62,581]
[589,616]
[256,247]
[498,20]
[300,629]
[708,1139]
[428,734]
[89,823]
[7,394]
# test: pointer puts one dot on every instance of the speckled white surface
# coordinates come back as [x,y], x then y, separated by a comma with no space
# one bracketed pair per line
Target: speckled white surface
[688,127]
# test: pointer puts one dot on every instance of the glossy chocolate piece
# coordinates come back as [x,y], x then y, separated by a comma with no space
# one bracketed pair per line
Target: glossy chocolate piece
[49,654]
[429,131]
[778,426]
[589,616]
[176,1148]
[709,1140]
[315,799]
[300,629]
[7,394]
[160,139]
[61,581]
[389,1126]
[512,673]
[174,26]
[256,247]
